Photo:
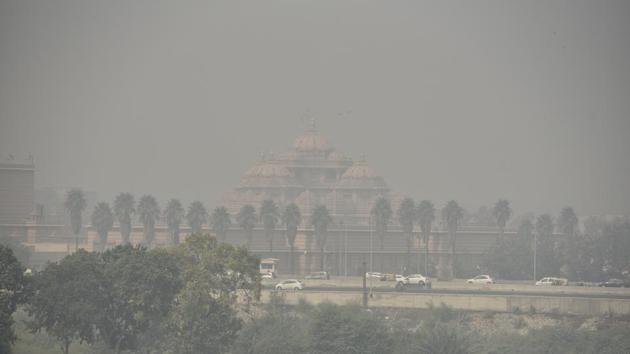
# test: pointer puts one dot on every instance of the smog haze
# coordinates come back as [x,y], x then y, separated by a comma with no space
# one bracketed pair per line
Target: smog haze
[471,101]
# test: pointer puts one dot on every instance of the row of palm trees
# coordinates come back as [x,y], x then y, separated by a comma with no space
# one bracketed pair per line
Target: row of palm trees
[409,214]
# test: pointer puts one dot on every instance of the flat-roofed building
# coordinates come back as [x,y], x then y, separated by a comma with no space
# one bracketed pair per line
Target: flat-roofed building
[17,184]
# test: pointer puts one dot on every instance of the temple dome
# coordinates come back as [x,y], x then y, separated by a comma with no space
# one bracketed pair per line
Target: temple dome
[361,175]
[312,141]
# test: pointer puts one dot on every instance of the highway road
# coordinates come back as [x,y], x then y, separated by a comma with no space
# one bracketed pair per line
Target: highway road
[355,289]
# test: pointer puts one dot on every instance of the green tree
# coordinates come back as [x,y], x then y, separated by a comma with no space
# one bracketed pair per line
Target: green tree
[102,220]
[278,332]
[407,217]
[426,216]
[12,293]
[148,213]
[291,217]
[445,338]
[381,215]
[320,220]
[512,258]
[197,216]
[141,288]
[502,213]
[452,215]
[174,214]
[69,299]
[75,205]
[347,330]
[269,217]
[124,208]
[246,220]
[221,222]
[570,243]
[219,277]
[547,263]
[201,323]
[568,222]
[21,252]
[615,243]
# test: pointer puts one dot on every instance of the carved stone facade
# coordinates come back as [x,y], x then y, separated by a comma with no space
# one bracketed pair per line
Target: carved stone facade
[312,173]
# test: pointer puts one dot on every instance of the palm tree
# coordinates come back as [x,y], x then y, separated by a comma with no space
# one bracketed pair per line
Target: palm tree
[426,216]
[407,217]
[246,219]
[148,213]
[102,220]
[269,218]
[291,217]
[544,246]
[381,213]
[544,225]
[567,222]
[320,220]
[526,229]
[452,215]
[197,216]
[501,213]
[124,208]
[569,248]
[75,204]
[221,222]
[174,214]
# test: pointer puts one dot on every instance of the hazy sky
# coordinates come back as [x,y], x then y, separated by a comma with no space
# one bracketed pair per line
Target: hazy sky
[470,100]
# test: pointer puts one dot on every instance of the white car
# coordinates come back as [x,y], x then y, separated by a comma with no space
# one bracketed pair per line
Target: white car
[267,276]
[374,275]
[552,281]
[481,279]
[290,284]
[401,279]
[416,279]
[411,279]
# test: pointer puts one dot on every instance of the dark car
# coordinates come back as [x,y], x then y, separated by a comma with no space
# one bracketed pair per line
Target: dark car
[614,283]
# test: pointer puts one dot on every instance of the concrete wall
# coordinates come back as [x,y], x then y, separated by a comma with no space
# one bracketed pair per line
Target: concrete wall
[494,303]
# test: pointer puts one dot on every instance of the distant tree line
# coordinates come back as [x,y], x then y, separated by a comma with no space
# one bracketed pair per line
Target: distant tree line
[542,246]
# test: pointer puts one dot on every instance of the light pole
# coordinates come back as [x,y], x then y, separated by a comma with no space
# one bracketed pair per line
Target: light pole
[371,253]
[371,246]
[535,250]
[345,250]
[418,260]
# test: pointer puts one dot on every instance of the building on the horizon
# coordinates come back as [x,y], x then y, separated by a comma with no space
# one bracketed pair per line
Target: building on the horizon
[17,181]
[310,174]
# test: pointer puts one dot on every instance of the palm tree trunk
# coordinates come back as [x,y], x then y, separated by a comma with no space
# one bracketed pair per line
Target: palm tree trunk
[321,258]
[409,241]
[426,256]
[291,255]
[248,236]
[453,261]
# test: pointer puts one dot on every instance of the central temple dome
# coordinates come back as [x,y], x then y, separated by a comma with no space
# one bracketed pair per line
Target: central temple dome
[312,141]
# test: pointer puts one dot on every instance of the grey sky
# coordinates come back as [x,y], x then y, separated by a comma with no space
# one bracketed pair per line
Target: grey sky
[471,100]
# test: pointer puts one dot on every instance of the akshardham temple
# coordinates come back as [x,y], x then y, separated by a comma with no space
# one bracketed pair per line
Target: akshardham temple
[312,173]
[309,174]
